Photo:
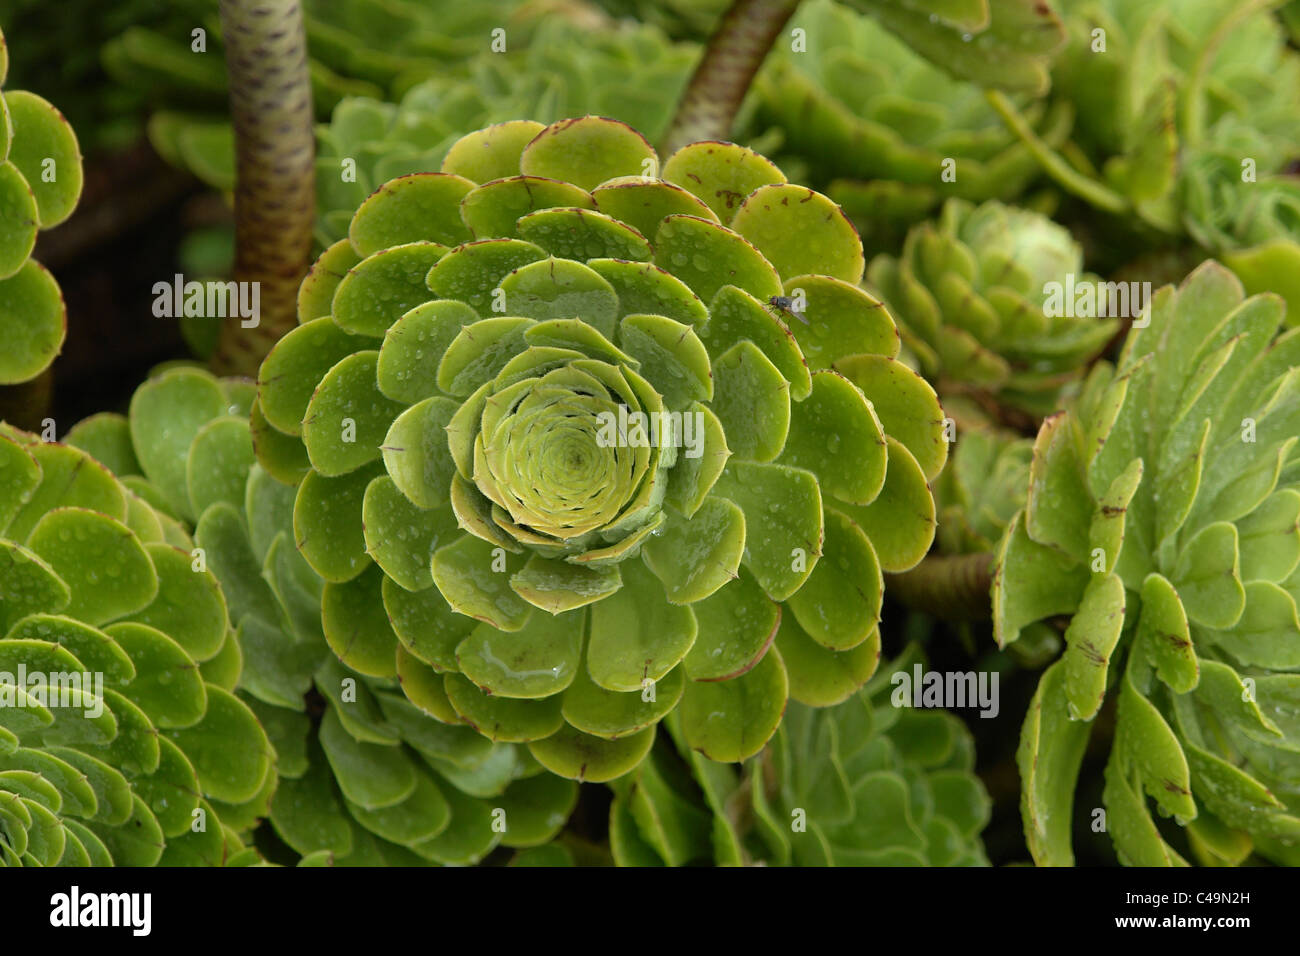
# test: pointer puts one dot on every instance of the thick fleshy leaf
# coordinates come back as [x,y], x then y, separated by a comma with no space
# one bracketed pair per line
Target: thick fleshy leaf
[561,289]
[800,231]
[103,563]
[383,287]
[370,775]
[783,522]
[44,149]
[819,676]
[593,710]
[295,366]
[643,202]
[1051,750]
[900,521]
[407,370]
[327,522]
[347,417]
[166,413]
[491,210]
[33,313]
[284,457]
[559,586]
[400,537]
[905,404]
[31,585]
[1089,642]
[752,400]
[20,217]
[571,753]
[228,748]
[356,627]
[1043,582]
[166,685]
[735,315]
[474,577]
[479,352]
[68,478]
[540,659]
[577,233]
[836,435]
[700,463]
[414,208]
[503,719]
[645,288]
[707,256]
[1208,579]
[720,174]
[189,607]
[588,151]
[1145,738]
[671,356]
[695,556]
[731,720]
[425,624]
[491,153]
[1164,636]
[316,293]
[417,455]
[839,605]
[737,624]
[106,437]
[636,634]
[842,319]
[218,463]
[536,809]
[20,476]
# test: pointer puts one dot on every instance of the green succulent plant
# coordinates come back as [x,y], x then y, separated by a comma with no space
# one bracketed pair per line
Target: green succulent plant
[564,466]
[973,295]
[1189,112]
[863,783]
[40,182]
[887,133]
[631,73]
[121,741]
[365,776]
[1162,520]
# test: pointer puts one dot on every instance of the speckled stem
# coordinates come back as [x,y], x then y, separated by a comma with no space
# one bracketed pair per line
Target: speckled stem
[736,50]
[275,192]
[949,587]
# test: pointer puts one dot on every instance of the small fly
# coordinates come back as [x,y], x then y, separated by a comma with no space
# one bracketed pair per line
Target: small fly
[784,303]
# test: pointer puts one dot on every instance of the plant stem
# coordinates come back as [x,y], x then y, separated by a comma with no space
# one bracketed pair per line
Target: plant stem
[949,587]
[732,58]
[275,188]
[1069,179]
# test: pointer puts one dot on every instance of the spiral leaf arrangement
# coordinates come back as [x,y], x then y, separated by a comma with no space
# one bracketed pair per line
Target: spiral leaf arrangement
[121,741]
[564,466]
[365,778]
[971,292]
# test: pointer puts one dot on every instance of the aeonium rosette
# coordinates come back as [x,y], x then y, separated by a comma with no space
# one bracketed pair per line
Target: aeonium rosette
[578,443]
[1162,519]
